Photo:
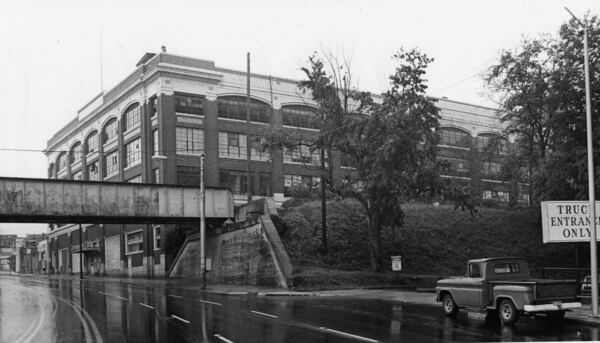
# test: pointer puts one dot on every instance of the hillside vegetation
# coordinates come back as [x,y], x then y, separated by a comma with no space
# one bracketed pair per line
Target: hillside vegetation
[435,240]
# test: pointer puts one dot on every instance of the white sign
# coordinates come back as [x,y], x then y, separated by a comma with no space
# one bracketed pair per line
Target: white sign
[396,263]
[567,221]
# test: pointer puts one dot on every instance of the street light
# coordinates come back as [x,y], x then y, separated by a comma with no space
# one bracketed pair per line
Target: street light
[590,158]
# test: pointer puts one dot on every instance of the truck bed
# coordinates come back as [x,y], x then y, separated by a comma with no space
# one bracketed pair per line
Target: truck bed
[545,290]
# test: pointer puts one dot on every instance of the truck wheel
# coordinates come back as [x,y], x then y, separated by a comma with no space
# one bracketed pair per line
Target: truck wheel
[508,312]
[449,306]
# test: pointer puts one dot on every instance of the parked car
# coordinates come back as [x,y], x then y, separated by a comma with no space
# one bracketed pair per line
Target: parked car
[504,285]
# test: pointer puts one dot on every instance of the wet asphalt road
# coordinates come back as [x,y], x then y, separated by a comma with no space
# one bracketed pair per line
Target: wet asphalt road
[42,310]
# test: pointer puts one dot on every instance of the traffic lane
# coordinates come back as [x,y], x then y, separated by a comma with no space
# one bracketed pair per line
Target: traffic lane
[29,313]
[210,316]
[378,320]
[298,319]
[386,321]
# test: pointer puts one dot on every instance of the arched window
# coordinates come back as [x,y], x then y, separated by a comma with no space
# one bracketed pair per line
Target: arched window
[61,162]
[76,152]
[91,142]
[455,137]
[492,143]
[234,107]
[299,116]
[109,132]
[131,117]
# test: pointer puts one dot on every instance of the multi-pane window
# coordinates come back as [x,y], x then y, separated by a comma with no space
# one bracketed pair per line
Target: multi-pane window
[492,143]
[236,108]
[76,152]
[157,236]
[111,164]
[91,143]
[496,195]
[232,145]
[491,169]
[93,172]
[133,151]
[61,163]
[455,138]
[135,242]
[109,132]
[235,180]
[153,106]
[299,180]
[458,164]
[135,179]
[256,149]
[188,175]
[189,141]
[155,142]
[77,175]
[300,117]
[187,103]
[264,184]
[302,154]
[132,117]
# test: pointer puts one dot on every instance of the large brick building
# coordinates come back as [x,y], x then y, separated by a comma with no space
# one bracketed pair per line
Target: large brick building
[153,126]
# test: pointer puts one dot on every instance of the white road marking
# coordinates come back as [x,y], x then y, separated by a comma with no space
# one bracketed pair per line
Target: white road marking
[264,314]
[349,335]
[223,338]
[112,295]
[209,302]
[179,318]
[148,306]
[174,296]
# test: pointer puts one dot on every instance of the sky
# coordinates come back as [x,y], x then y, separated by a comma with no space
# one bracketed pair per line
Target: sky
[57,55]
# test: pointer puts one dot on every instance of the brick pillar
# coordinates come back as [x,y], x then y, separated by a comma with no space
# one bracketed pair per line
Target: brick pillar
[277,160]
[166,126]
[211,143]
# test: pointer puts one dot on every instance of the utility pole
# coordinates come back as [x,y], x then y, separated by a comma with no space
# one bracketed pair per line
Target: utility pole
[202,224]
[248,138]
[80,253]
[590,160]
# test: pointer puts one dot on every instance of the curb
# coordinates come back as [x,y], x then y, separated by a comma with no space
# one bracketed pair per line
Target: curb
[285,294]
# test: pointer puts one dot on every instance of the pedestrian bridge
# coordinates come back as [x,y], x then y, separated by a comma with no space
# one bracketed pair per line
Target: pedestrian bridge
[68,201]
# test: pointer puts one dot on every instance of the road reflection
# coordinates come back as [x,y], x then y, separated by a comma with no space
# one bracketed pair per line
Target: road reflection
[98,311]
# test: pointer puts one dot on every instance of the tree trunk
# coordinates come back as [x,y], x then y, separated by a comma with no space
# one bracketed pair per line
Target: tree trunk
[375,242]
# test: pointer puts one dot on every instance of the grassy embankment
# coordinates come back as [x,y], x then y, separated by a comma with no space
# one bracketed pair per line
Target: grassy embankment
[434,242]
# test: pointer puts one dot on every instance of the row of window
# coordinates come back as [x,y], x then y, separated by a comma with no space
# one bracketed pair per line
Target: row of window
[486,142]
[228,107]
[237,181]
[459,165]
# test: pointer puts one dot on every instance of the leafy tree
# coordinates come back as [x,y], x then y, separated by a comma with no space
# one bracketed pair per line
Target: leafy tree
[541,85]
[391,141]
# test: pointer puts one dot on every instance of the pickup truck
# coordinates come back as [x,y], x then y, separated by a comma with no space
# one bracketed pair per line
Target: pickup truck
[504,285]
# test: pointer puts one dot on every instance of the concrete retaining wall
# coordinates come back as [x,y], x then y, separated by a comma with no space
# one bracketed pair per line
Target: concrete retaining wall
[252,255]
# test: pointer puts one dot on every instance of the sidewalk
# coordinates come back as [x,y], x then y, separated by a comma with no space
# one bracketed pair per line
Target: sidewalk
[582,314]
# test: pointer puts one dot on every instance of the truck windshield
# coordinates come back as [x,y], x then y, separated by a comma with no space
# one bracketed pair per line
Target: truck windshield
[474,270]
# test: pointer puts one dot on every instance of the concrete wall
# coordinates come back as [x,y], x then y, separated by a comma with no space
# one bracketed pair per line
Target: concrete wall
[252,255]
